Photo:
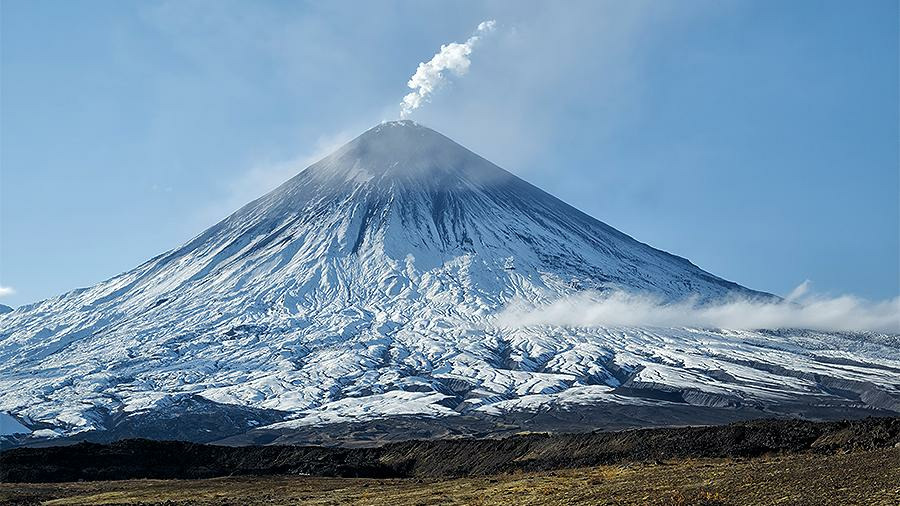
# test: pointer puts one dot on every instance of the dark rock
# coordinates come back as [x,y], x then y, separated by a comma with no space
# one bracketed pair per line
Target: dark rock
[141,458]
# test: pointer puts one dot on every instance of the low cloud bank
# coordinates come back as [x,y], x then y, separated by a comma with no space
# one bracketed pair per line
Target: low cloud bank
[798,310]
[430,75]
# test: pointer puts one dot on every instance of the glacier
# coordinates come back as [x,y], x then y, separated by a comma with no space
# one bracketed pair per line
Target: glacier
[368,287]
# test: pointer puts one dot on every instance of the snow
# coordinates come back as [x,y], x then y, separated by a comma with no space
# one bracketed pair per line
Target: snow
[369,285]
[370,407]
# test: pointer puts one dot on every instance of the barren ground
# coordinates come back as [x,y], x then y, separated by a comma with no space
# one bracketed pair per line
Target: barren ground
[860,477]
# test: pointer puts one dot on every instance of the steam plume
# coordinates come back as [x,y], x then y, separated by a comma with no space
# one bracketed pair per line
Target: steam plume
[429,76]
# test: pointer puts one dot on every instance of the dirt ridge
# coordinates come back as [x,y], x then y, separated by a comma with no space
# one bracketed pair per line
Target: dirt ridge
[140,458]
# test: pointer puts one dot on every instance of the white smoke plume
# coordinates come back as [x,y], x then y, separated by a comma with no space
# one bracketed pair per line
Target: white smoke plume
[452,58]
[799,310]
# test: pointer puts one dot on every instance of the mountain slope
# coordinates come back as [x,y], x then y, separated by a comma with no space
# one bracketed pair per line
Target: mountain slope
[367,285]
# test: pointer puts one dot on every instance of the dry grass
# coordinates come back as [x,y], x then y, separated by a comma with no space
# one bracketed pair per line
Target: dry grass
[855,478]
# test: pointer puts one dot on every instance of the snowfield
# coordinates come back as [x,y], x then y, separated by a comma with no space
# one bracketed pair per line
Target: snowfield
[370,284]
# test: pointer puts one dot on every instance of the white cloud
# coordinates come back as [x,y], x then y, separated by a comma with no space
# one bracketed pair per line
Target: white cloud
[430,75]
[590,309]
[6,291]
[800,291]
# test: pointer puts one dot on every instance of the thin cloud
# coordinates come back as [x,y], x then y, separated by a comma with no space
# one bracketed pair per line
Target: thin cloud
[800,291]
[6,291]
[803,310]
[452,58]
[265,177]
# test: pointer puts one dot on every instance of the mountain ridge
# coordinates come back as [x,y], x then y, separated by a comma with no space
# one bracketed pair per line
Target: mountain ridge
[367,285]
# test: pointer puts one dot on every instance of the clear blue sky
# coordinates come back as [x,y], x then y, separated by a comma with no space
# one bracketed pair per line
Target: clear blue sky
[758,139]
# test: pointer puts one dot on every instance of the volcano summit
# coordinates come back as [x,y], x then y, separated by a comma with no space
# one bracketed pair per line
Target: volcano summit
[359,300]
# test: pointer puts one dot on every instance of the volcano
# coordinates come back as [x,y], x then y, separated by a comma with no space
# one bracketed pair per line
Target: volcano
[359,300]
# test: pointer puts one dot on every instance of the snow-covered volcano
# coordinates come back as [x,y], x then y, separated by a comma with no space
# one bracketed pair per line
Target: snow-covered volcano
[367,286]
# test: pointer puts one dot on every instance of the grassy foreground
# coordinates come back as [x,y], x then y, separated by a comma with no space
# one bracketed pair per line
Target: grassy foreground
[862,477]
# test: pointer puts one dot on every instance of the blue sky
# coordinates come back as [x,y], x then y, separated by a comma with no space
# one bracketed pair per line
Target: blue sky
[758,139]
